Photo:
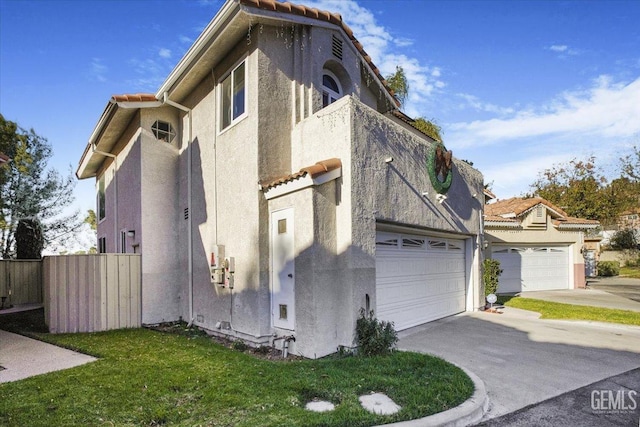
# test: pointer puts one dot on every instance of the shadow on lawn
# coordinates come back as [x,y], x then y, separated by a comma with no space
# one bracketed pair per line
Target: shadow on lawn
[24,322]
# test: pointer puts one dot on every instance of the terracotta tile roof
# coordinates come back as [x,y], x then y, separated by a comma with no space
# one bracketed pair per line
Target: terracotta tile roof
[575,221]
[322,15]
[511,209]
[314,171]
[137,97]
[517,206]
[4,158]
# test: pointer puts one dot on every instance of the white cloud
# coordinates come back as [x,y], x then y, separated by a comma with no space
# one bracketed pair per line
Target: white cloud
[98,70]
[164,53]
[558,48]
[606,110]
[475,103]
[563,50]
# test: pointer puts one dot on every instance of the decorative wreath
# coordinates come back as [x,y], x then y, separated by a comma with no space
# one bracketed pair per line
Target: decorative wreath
[439,164]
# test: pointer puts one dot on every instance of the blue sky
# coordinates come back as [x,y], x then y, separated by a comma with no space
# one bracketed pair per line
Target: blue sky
[516,86]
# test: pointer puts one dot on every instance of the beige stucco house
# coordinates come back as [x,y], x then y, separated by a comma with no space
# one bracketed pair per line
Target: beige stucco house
[273,189]
[538,245]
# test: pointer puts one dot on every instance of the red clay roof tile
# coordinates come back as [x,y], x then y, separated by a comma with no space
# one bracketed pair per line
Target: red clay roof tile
[314,171]
[517,206]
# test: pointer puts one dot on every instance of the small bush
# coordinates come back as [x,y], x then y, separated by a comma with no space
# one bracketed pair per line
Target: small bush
[239,345]
[608,268]
[373,336]
[490,275]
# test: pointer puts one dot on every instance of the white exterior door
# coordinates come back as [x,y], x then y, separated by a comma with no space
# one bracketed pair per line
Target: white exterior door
[282,270]
[532,268]
[418,278]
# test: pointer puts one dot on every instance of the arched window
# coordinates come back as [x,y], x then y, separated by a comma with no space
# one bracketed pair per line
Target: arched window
[331,90]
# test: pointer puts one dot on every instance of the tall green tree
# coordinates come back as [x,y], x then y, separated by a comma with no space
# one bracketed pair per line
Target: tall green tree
[398,82]
[31,191]
[580,188]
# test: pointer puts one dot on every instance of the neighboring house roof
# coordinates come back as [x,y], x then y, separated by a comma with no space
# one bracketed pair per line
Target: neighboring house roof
[234,18]
[4,158]
[508,213]
[317,174]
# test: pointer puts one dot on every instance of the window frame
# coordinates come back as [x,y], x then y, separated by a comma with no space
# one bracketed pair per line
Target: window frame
[101,200]
[160,134]
[329,91]
[231,74]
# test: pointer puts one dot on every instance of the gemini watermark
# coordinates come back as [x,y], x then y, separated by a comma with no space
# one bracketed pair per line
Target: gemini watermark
[614,401]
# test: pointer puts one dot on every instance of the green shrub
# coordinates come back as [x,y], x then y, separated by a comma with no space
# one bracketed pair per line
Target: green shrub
[374,336]
[624,239]
[239,345]
[490,275]
[608,268]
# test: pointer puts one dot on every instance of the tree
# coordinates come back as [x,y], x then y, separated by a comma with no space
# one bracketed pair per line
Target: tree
[91,219]
[579,188]
[29,239]
[630,165]
[429,127]
[30,191]
[398,82]
[624,239]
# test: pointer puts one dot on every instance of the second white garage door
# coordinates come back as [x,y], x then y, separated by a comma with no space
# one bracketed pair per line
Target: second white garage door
[532,268]
[418,278]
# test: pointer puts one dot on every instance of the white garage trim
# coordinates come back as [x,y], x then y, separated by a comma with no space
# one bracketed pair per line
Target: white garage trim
[533,267]
[419,278]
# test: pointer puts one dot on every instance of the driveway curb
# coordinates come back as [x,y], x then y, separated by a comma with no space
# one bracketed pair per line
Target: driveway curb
[469,412]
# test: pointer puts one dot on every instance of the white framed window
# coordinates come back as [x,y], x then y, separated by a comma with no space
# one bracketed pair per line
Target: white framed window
[233,96]
[331,89]
[101,199]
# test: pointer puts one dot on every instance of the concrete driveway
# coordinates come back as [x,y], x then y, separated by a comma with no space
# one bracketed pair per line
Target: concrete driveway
[524,360]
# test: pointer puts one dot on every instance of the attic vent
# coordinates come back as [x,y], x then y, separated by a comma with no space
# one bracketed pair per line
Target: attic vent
[336,47]
[540,216]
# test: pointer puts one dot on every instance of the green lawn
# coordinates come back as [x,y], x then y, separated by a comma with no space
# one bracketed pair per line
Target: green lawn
[152,378]
[556,310]
[633,272]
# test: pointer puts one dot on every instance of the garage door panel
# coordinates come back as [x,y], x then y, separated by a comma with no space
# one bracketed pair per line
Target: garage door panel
[415,285]
[532,268]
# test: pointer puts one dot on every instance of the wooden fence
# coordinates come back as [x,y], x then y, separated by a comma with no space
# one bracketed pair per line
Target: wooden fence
[87,293]
[21,282]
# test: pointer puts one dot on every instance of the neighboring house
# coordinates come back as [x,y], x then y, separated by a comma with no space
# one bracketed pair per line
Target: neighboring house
[538,245]
[274,189]
[629,219]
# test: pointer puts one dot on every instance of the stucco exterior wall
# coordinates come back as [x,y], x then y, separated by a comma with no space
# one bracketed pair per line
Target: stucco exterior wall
[372,192]
[158,212]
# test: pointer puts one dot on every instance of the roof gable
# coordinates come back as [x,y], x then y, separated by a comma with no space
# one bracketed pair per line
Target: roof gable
[516,212]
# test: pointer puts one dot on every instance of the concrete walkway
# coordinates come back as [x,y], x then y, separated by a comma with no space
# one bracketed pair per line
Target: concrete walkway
[523,360]
[22,357]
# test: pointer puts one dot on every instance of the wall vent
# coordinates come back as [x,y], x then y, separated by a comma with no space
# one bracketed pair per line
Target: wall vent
[336,47]
[186,213]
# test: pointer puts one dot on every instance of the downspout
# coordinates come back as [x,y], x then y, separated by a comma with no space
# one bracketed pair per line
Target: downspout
[167,101]
[115,188]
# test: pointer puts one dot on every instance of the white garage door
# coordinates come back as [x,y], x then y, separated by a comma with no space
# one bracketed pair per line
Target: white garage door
[418,278]
[532,268]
